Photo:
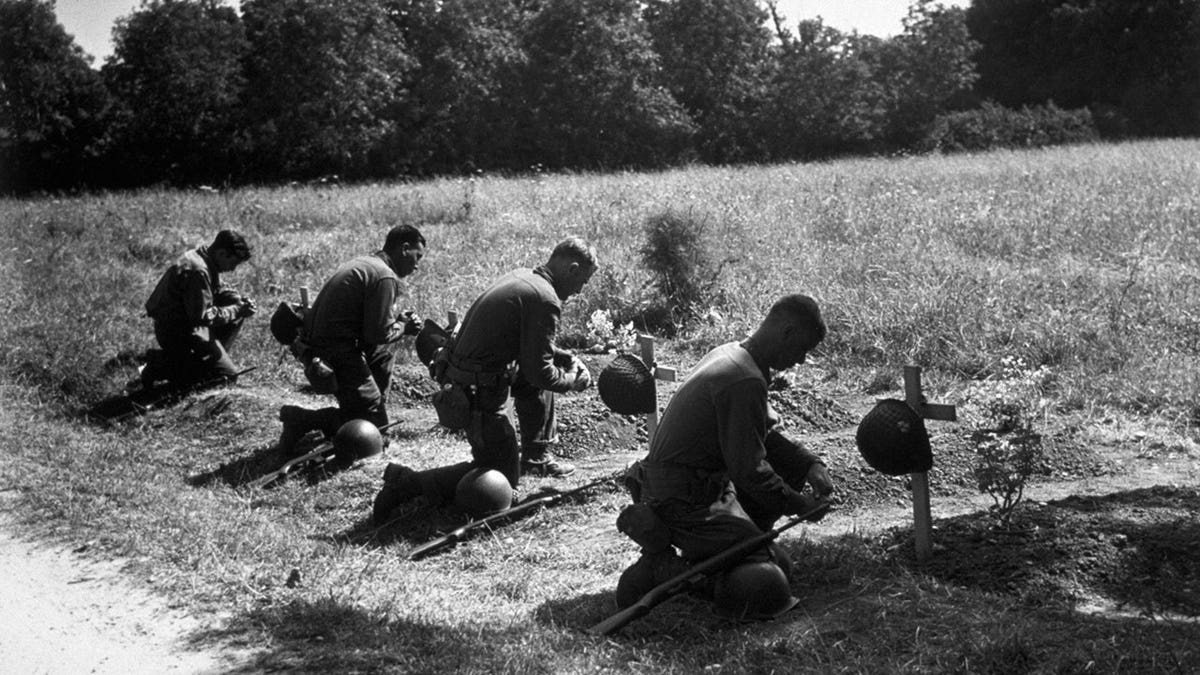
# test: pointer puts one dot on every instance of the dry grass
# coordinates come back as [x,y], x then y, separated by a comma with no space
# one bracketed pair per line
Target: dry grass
[1085,259]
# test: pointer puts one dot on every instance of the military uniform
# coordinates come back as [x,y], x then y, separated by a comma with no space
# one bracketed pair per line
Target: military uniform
[504,347]
[196,321]
[717,471]
[351,327]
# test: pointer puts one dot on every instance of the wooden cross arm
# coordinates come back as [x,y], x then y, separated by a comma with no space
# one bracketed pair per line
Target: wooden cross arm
[938,411]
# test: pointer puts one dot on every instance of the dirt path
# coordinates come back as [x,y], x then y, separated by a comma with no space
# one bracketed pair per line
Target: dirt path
[63,613]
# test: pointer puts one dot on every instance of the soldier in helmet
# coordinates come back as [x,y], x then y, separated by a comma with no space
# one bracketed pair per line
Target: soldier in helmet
[505,347]
[350,331]
[718,470]
[197,317]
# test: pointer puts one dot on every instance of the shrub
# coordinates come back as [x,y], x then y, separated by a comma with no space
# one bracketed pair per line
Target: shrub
[682,265]
[994,126]
[1004,411]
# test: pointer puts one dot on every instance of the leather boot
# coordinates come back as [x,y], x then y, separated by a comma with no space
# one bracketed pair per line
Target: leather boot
[400,485]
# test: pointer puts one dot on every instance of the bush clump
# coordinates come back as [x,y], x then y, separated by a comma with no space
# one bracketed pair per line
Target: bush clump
[682,266]
[993,126]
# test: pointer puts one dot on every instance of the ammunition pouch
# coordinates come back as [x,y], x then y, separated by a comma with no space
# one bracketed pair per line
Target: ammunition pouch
[319,375]
[640,523]
[452,404]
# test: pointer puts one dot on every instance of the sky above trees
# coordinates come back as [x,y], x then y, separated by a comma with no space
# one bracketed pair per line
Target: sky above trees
[91,21]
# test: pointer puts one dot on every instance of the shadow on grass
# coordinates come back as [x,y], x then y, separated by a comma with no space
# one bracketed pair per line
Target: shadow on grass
[411,525]
[1135,550]
[414,523]
[327,636]
[266,459]
[860,612]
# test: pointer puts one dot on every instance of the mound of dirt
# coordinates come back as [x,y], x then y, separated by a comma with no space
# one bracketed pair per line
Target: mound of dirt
[1132,551]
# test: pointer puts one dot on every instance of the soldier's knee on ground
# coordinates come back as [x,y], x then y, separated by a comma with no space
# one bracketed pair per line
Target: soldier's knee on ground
[650,570]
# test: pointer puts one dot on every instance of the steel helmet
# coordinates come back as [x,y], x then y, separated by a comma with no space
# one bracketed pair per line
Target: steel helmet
[893,440]
[482,492]
[626,386]
[357,439]
[431,338]
[753,591]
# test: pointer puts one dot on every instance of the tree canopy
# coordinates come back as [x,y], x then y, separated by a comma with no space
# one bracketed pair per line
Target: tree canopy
[176,73]
[53,106]
[198,91]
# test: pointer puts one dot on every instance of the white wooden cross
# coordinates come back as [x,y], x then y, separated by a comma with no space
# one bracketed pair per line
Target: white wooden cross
[660,373]
[920,480]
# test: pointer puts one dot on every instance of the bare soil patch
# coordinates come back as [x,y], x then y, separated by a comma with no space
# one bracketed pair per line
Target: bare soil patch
[65,613]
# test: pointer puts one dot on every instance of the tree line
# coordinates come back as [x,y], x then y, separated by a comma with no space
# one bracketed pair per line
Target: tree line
[197,92]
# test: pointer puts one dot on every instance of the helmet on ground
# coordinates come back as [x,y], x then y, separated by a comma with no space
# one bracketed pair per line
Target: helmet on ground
[431,338]
[893,440]
[753,591]
[483,491]
[357,439]
[626,386]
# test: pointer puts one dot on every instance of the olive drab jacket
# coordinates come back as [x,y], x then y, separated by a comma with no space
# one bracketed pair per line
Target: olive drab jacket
[514,321]
[713,432]
[356,307]
[184,297]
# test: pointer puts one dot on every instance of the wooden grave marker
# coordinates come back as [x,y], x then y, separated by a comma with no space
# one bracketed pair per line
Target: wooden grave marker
[660,373]
[920,480]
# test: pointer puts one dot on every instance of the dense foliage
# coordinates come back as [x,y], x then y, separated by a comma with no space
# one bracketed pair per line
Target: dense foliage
[1136,64]
[176,75]
[198,92]
[52,104]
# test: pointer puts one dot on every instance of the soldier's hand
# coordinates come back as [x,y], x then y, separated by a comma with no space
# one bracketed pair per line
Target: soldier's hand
[818,478]
[583,377]
[247,308]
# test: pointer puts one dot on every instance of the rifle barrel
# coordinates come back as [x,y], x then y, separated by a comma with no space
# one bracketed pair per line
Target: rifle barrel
[447,540]
[322,448]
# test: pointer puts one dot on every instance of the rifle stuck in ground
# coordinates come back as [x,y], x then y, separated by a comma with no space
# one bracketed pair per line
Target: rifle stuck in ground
[528,506]
[122,408]
[695,575]
[318,454]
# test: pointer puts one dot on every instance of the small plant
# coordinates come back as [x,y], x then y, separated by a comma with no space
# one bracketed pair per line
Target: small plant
[605,334]
[1008,446]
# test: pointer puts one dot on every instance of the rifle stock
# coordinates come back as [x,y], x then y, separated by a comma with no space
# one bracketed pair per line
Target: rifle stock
[453,537]
[323,448]
[696,573]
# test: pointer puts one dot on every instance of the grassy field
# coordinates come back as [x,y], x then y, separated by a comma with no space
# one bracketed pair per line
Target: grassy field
[1084,259]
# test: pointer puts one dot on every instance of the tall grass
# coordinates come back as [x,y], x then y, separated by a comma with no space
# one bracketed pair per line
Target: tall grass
[1085,259]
